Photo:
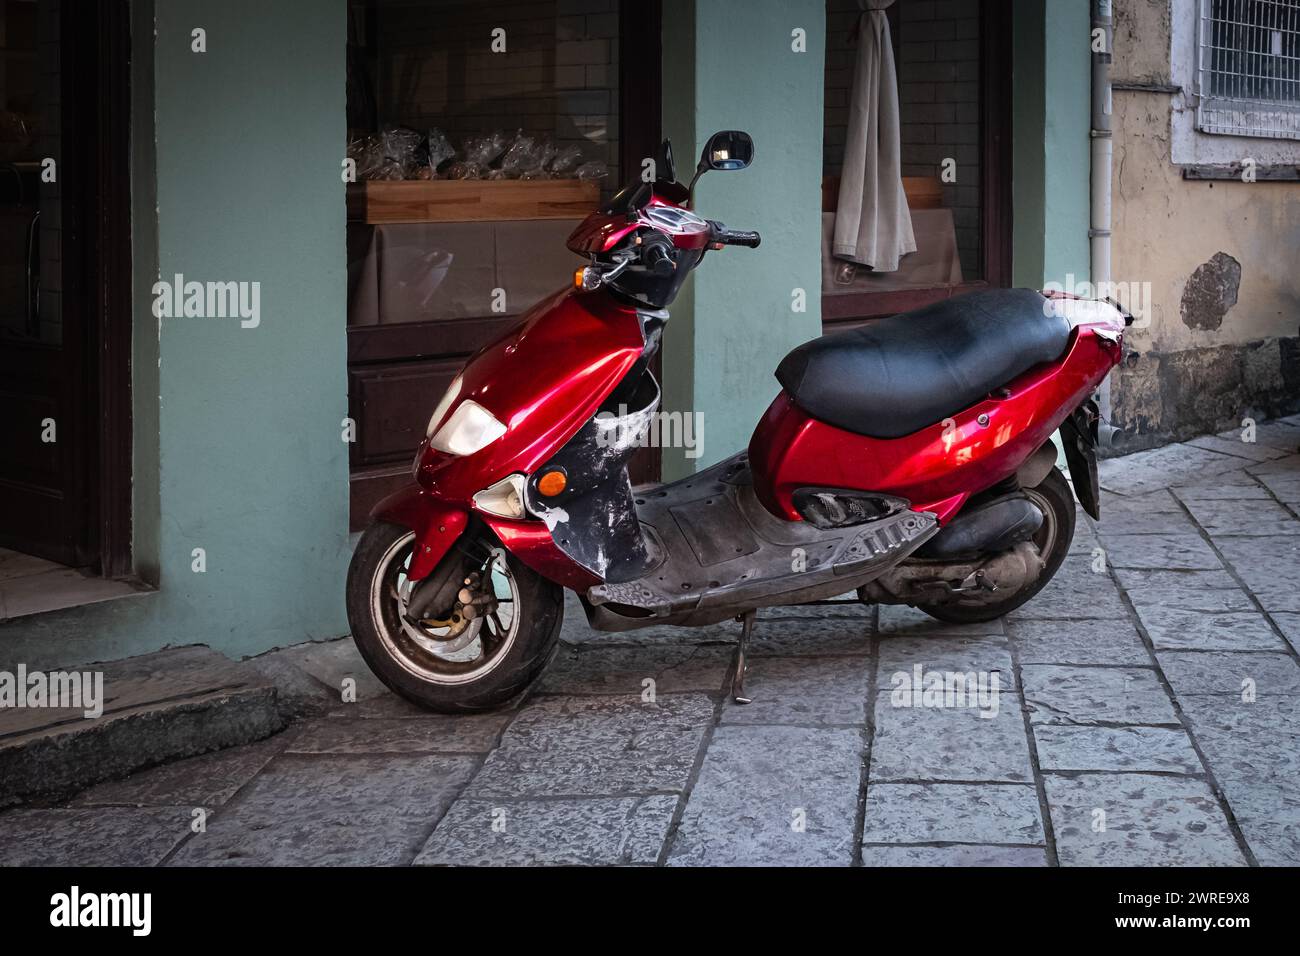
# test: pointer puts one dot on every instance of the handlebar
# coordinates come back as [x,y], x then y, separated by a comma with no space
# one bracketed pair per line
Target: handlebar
[735,237]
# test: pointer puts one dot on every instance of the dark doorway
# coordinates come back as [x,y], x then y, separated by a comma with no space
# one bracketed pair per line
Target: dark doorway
[65,272]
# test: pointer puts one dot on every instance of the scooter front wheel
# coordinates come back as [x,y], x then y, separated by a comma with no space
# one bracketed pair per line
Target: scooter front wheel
[433,647]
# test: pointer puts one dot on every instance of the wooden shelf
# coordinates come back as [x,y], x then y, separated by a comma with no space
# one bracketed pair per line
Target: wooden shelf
[470,200]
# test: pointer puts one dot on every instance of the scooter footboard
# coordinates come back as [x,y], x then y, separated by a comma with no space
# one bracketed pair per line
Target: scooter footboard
[437,525]
[718,549]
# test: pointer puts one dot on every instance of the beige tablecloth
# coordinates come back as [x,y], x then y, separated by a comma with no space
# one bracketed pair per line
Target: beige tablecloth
[936,261]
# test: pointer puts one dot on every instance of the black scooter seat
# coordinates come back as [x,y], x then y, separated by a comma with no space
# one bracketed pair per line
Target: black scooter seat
[898,375]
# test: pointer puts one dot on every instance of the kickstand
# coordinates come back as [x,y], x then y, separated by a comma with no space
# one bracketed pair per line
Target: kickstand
[738,677]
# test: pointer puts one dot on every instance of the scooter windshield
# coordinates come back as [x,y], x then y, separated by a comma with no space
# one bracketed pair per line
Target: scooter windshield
[637,194]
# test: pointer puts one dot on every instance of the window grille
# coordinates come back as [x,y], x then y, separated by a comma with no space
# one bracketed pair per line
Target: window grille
[1248,68]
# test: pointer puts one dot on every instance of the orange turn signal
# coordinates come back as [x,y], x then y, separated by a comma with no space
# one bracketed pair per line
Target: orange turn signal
[577,277]
[552,483]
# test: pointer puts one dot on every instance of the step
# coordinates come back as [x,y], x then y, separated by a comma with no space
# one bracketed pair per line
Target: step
[156,707]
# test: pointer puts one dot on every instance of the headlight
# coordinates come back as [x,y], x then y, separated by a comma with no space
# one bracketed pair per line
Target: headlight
[470,428]
[444,404]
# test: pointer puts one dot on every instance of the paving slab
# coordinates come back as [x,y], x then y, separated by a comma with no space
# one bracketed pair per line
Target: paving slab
[1279,433]
[954,855]
[777,796]
[1289,625]
[902,620]
[1236,487]
[1058,694]
[1231,673]
[1121,505]
[157,707]
[1175,629]
[1188,552]
[988,655]
[434,733]
[645,669]
[332,663]
[804,691]
[951,743]
[1231,443]
[570,832]
[1211,592]
[952,813]
[1251,517]
[1270,567]
[208,781]
[1147,471]
[597,746]
[330,810]
[1138,519]
[1138,820]
[1284,486]
[812,637]
[91,836]
[1077,592]
[1126,749]
[1078,642]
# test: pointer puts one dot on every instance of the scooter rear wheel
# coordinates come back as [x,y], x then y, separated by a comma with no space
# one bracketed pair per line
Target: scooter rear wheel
[1055,499]
[444,658]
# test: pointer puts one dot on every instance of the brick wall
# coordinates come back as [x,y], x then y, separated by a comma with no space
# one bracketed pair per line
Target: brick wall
[558,76]
[938,79]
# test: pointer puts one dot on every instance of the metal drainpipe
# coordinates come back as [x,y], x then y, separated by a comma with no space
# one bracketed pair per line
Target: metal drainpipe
[1099,231]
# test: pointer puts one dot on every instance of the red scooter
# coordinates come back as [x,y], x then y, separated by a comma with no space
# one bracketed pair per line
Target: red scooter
[909,461]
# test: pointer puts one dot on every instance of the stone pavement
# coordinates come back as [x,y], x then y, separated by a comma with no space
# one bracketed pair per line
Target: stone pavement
[1145,713]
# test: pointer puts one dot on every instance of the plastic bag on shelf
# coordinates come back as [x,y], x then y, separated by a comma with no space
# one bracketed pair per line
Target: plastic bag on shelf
[400,145]
[564,164]
[368,155]
[592,170]
[523,154]
[481,151]
[439,148]
[463,169]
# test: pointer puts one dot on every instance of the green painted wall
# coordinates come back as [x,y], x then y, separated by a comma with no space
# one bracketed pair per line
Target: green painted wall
[1050,143]
[238,446]
[728,64]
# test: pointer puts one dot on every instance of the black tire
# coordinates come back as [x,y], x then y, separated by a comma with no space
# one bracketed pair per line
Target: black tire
[405,665]
[1058,522]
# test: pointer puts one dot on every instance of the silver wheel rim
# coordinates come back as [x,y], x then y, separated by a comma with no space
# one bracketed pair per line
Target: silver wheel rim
[442,654]
[1045,538]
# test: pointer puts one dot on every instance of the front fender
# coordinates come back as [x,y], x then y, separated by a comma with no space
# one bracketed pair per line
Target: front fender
[436,523]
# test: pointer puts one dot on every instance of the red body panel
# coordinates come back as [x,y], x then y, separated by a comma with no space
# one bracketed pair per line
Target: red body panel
[437,524]
[531,543]
[936,468]
[543,380]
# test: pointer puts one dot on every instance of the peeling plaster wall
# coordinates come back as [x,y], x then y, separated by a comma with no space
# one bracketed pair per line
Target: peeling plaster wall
[1219,341]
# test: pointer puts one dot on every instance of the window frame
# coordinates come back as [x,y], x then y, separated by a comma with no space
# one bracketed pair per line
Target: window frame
[1250,116]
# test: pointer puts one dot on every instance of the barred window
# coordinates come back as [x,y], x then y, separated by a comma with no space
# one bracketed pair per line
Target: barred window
[1248,68]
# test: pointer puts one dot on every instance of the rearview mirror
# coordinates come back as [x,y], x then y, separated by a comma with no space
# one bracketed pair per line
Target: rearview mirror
[728,149]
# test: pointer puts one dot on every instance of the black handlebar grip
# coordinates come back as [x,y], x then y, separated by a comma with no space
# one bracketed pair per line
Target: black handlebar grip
[736,238]
[658,261]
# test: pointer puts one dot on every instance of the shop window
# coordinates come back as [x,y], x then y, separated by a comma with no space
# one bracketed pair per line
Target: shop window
[950,61]
[481,134]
